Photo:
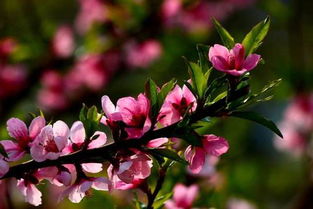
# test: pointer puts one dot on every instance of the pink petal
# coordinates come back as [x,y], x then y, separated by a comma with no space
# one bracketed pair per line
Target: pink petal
[144,104]
[65,178]
[215,145]
[180,192]
[147,125]
[251,61]
[13,150]
[170,204]
[102,184]
[157,142]
[33,195]
[17,129]
[77,133]
[36,125]
[60,129]
[124,166]
[36,152]
[195,157]
[99,141]
[235,72]
[220,63]
[78,192]
[48,173]
[107,106]
[238,53]
[192,193]
[190,98]
[92,167]
[30,192]
[218,51]
[61,134]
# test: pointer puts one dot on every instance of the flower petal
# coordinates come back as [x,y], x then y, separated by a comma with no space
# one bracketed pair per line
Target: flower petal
[77,133]
[35,126]
[17,129]
[218,51]
[251,61]
[215,145]
[92,167]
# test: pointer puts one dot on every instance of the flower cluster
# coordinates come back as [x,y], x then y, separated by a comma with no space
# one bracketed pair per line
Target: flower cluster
[129,119]
[135,133]
[12,76]
[297,125]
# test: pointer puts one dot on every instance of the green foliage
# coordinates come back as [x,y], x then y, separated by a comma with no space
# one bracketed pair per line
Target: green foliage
[151,91]
[253,116]
[255,37]
[166,88]
[159,202]
[227,39]
[168,154]
[203,52]
[199,79]
[157,97]
[90,118]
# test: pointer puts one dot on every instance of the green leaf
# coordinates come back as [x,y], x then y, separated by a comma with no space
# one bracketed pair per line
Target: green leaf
[92,114]
[255,37]
[168,154]
[199,82]
[253,116]
[159,202]
[151,91]
[166,88]
[83,113]
[263,95]
[203,52]
[227,39]
[218,97]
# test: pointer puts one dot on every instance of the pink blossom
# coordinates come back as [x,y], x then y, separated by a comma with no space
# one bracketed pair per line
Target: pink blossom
[24,137]
[50,99]
[157,142]
[176,104]
[296,125]
[12,79]
[63,42]
[236,203]
[52,96]
[7,46]
[209,168]
[50,142]
[118,184]
[30,192]
[130,171]
[59,176]
[212,146]
[78,141]
[232,61]
[143,54]
[91,71]
[78,191]
[135,114]
[111,112]
[183,197]
[91,11]
[171,8]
